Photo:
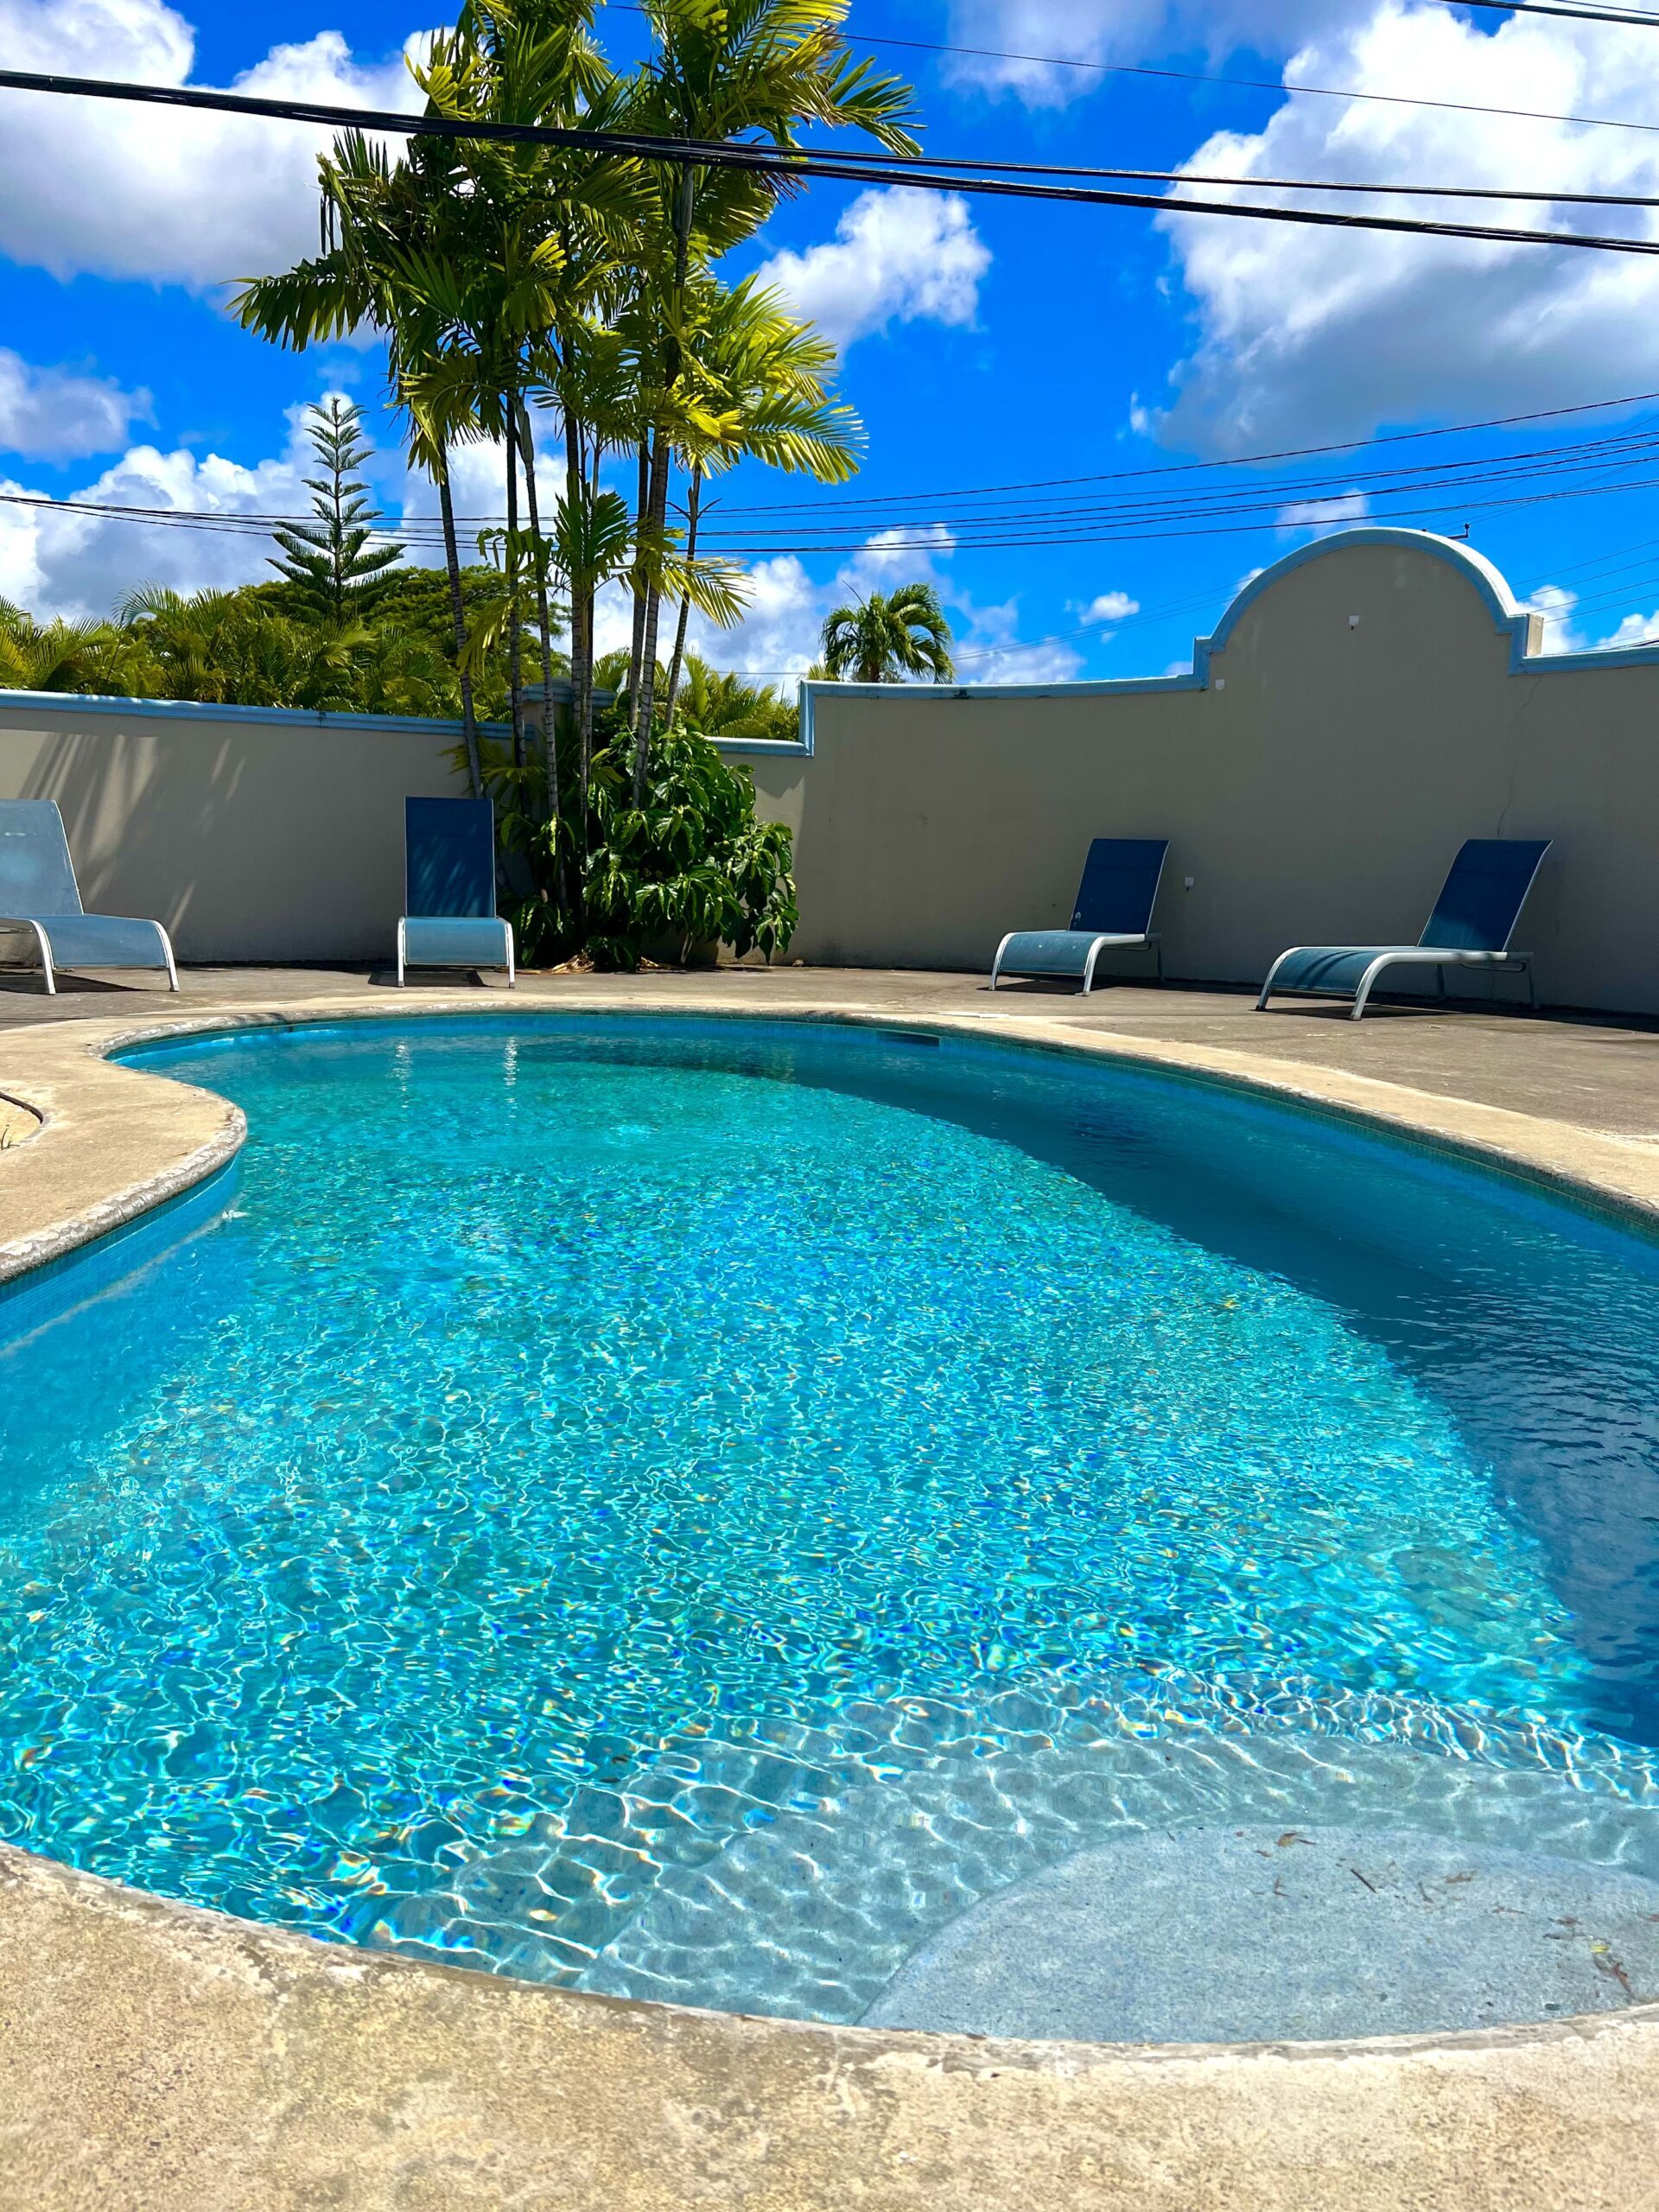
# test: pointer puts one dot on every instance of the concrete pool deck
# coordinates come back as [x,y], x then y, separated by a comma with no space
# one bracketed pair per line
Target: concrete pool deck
[157,2059]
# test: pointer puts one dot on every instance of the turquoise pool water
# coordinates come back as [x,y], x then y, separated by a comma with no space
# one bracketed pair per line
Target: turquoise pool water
[684,1507]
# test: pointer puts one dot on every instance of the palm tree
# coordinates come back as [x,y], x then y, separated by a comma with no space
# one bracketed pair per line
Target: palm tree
[533,236]
[374,216]
[889,636]
[59,656]
[757,375]
[753,69]
[714,704]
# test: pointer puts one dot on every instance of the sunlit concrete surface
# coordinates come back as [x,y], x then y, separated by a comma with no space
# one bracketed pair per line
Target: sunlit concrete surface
[157,2059]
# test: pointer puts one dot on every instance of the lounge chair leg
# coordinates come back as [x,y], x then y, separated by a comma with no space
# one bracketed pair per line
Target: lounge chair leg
[400,956]
[1364,990]
[167,955]
[46,960]
[996,964]
[512,972]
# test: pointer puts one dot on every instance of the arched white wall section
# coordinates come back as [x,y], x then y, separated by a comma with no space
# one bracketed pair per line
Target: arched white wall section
[1521,626]
[1487,579]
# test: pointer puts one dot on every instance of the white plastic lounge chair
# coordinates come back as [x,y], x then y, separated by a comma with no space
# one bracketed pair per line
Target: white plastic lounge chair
[449,888]
[1114,910]
[1473,920]
[39,894]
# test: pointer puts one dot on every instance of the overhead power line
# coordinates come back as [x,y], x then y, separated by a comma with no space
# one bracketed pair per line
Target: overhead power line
[795,165]
[1277,85]
[1583,466]
[1632,18]
[1480,484]
[921,163]
[1230,461]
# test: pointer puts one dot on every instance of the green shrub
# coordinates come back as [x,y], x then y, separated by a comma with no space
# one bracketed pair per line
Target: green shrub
[688,870]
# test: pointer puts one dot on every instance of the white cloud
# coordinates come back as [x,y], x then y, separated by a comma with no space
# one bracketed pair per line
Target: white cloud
[60,415]
[897,256]
[908,553]
[1556,603]
[1045,662]
[1321,516]
[778,639]
[1308,334]
[1109,606]
[1565,627]
[988,649]
[1032,48]
[1634,630]
[55,561]
[166,195]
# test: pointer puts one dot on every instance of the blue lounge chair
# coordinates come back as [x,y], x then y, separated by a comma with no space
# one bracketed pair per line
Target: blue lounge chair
[1473,920]
[39,893]
[449,888]
[1114,909]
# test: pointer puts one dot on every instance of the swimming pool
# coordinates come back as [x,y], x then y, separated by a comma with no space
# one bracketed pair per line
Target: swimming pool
[688,1507]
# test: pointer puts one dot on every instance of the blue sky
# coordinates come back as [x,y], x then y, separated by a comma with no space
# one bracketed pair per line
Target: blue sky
[984,343]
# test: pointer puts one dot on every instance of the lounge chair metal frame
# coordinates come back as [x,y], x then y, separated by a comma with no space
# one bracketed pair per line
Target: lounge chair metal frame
[404,963]
[88,927]
[1098,946]
[449,889]
[1500,960]
[1087,943]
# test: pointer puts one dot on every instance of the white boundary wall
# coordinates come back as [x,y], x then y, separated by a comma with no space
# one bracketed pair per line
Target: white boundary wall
[1365,705]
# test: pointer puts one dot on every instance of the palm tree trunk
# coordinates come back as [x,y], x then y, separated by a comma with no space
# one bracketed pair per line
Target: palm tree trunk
[661,461]
[515,655]
[657,526]
[581,658]
[458,616]
[543,615]
[693,503]
[641,512]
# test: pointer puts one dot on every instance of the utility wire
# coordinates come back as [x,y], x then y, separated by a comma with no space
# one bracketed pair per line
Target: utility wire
[1232,461]
[1221,494]
[794,166]
[1215,497]
[916,164]
[1135,531]
[1277,85]
[1112,530]
[1301,491]
[1006,496]
[1635,18]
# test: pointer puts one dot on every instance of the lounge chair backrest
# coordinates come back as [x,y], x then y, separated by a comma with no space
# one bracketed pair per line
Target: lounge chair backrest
[1120,885]
[449,856]
[37,877]
[1481,903]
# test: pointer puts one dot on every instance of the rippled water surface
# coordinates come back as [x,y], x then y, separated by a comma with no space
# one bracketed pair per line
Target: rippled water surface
[687,1507]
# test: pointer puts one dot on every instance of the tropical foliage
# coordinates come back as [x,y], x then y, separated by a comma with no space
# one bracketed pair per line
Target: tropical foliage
[889,636]
[264,647]
[710,703]
[717,705]
[520,284]
[564,311]
[680,870]
[54,656]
